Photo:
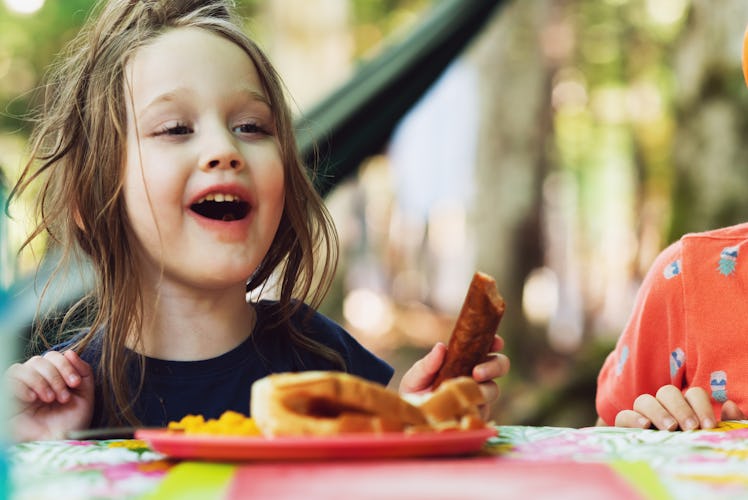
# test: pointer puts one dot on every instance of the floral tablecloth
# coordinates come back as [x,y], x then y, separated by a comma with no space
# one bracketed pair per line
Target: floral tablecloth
[84,469]
[537,462]
[694,464]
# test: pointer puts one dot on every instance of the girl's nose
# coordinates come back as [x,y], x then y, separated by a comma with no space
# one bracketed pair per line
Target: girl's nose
[222,162]
[221,153]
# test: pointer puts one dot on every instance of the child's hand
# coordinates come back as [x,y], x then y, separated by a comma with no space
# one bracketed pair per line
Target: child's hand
[731,411]
[420,376]
[670,409]
[53,395]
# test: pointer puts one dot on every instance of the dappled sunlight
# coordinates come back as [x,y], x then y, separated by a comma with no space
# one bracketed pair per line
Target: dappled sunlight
[667,12]
[368,312]
[540,296]
[24,6]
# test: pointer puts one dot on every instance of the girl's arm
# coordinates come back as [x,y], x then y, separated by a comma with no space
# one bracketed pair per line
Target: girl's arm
[642,383]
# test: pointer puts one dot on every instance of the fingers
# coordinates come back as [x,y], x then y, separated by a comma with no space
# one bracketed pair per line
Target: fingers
[431,363]
[484,373]
[36,379]
[47,378]
[498,344]
[699,402]
[651,408]
[632,419]
[20,383]
[82,368]
[423,371]
[496,366]
[670,409]
[731,411]
[490,391]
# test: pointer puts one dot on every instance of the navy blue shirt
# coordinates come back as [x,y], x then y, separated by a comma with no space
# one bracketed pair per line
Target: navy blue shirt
[173,389]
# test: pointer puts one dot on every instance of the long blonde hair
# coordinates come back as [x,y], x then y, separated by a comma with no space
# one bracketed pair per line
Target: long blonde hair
[77,153]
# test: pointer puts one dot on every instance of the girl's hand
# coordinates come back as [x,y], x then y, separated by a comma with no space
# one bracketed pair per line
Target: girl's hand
[53,394]
[731,411]
[421,375]
[670,409]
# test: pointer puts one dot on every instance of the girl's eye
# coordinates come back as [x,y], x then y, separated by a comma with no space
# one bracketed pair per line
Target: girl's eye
[250,128]
[178,129]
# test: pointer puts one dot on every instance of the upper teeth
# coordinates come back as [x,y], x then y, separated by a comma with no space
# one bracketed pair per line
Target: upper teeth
[218,197]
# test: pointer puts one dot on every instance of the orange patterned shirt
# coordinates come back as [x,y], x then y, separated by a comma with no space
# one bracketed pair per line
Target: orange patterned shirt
[689,326]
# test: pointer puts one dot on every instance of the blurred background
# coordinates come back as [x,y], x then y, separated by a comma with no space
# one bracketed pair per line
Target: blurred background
[560,147]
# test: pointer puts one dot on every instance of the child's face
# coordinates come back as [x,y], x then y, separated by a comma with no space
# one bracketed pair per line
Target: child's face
[203,174]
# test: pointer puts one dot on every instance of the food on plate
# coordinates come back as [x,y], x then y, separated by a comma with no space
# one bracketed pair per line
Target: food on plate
[230,423]
[454,405]
[326,403]
[474,330]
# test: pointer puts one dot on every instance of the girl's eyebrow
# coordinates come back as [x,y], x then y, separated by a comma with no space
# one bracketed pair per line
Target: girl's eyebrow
[254,95]
[176,94]
[166,97]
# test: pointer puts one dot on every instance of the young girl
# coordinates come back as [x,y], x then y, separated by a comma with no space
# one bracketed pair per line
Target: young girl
[680,362]
[167,156]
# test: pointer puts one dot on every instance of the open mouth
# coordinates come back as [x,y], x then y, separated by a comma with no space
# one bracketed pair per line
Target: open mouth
[221,206]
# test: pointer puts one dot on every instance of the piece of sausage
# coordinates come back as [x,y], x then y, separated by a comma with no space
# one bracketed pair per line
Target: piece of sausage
[474,329]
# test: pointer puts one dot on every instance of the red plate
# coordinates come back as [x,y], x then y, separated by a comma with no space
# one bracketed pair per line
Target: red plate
[389,445]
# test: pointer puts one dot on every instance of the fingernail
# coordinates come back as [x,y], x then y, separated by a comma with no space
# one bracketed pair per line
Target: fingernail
[64,396]
[669,423]
[690,424]
[73,379]
[708,423]
[49,395]
[643,423]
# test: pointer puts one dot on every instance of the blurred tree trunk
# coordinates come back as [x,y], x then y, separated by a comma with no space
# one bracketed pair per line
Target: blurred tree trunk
[514,128]
[709,152]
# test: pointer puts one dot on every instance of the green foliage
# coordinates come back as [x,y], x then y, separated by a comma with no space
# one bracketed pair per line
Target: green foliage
[28,43]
